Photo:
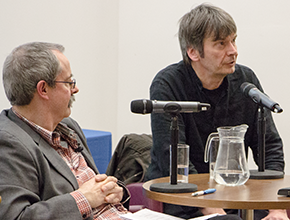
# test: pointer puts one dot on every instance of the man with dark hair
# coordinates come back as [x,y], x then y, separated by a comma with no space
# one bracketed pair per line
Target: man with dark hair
[208,74]
[47,171]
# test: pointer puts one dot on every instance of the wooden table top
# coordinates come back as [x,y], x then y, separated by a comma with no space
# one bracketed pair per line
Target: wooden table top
[254,194]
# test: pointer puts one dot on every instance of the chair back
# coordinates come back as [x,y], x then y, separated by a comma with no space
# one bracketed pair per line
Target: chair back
[139,200]
[131,158]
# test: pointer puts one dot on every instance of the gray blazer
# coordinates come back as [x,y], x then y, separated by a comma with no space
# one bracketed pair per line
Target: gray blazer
[35,182]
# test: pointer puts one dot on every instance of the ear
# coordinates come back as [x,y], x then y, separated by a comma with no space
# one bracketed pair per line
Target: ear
[42,89]
[193,54]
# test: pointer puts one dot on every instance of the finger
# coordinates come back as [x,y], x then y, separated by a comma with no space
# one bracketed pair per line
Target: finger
[114,197]
[112,178]
[108,187]
[100,177]
[112,189]
[110,181]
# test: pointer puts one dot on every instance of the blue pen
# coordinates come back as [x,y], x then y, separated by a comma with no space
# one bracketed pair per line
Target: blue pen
[207,191]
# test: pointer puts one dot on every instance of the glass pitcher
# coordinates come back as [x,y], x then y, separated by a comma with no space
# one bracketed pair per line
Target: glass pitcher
[231,167]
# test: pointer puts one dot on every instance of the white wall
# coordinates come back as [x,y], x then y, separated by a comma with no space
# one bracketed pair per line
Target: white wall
[89,31]
[116,48]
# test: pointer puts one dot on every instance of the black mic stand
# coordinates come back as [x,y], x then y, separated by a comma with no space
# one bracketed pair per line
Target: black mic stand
[262,173]
[174,186]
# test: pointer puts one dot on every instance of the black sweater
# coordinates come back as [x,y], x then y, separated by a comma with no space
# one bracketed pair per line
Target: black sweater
[229,107]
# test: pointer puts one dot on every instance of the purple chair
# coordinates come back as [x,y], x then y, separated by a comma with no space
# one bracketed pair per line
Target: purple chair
[140,201]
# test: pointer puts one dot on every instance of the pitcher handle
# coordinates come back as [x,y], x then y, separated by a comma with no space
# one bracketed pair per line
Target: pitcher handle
[207,145]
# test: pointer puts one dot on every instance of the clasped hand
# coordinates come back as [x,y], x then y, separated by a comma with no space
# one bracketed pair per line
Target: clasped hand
[102,189]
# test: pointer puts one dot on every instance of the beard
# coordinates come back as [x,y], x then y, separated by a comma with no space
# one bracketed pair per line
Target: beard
[72,99]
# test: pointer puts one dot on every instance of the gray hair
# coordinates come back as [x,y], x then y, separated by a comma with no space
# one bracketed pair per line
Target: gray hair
[25,66]
[200,23]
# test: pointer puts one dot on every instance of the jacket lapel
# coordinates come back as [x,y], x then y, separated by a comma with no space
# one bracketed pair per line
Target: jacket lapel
[57,162]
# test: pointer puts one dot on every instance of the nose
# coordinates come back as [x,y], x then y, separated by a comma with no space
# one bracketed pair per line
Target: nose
[75,90]
[232,49]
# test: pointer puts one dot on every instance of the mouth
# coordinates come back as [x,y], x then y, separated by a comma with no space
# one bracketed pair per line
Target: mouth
[231,63]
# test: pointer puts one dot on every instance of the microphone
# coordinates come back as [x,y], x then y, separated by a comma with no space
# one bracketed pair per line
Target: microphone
[250,90]
[144,106]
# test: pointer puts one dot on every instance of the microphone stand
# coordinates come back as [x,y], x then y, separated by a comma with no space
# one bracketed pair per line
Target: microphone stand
[174,186]
[262,173]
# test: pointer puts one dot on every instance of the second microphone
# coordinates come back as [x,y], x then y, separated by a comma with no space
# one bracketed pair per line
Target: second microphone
[144,106]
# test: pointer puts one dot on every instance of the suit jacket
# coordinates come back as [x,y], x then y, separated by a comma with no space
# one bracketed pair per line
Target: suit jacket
[35,182]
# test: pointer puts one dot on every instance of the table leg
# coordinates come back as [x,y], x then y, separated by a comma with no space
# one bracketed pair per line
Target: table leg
[247,214]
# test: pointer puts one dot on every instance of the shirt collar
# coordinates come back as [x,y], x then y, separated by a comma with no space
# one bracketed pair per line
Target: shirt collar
[198,81]
[53,138]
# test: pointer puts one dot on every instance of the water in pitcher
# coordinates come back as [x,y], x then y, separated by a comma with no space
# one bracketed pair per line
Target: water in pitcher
[230,177]
[231,171]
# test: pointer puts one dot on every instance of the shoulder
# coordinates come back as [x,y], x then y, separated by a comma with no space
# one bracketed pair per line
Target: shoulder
[17,138]
[170,72]
[172,76]
[71,123]
[243,68]
[245,74]
[244,71]
[74,125]
[12,127]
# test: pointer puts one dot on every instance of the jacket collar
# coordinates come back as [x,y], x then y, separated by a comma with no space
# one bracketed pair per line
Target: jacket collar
[49,153]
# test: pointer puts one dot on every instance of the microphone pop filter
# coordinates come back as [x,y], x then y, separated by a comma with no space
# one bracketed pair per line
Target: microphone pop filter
[246,87]
[141,106]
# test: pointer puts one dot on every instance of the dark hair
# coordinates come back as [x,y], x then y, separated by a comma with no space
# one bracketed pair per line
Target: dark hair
[200,23]
[25,66]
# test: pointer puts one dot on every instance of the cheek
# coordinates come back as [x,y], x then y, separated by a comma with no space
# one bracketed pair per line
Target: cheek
[64,98]
[222,57]
[217,56]
[68,94]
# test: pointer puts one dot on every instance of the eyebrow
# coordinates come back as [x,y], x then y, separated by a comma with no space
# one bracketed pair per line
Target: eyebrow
[71,75]
[215,40]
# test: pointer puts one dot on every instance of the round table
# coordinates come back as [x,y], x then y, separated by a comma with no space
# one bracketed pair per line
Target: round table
[254,194]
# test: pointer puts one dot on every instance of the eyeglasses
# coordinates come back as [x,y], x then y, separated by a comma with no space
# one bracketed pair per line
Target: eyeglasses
[71,83]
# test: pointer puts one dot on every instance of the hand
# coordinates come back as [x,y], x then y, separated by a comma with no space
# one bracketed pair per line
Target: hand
[208,211]
[276,214]
[101,189]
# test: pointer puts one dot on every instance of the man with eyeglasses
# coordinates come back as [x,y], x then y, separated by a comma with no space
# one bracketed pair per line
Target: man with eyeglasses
[47,171]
